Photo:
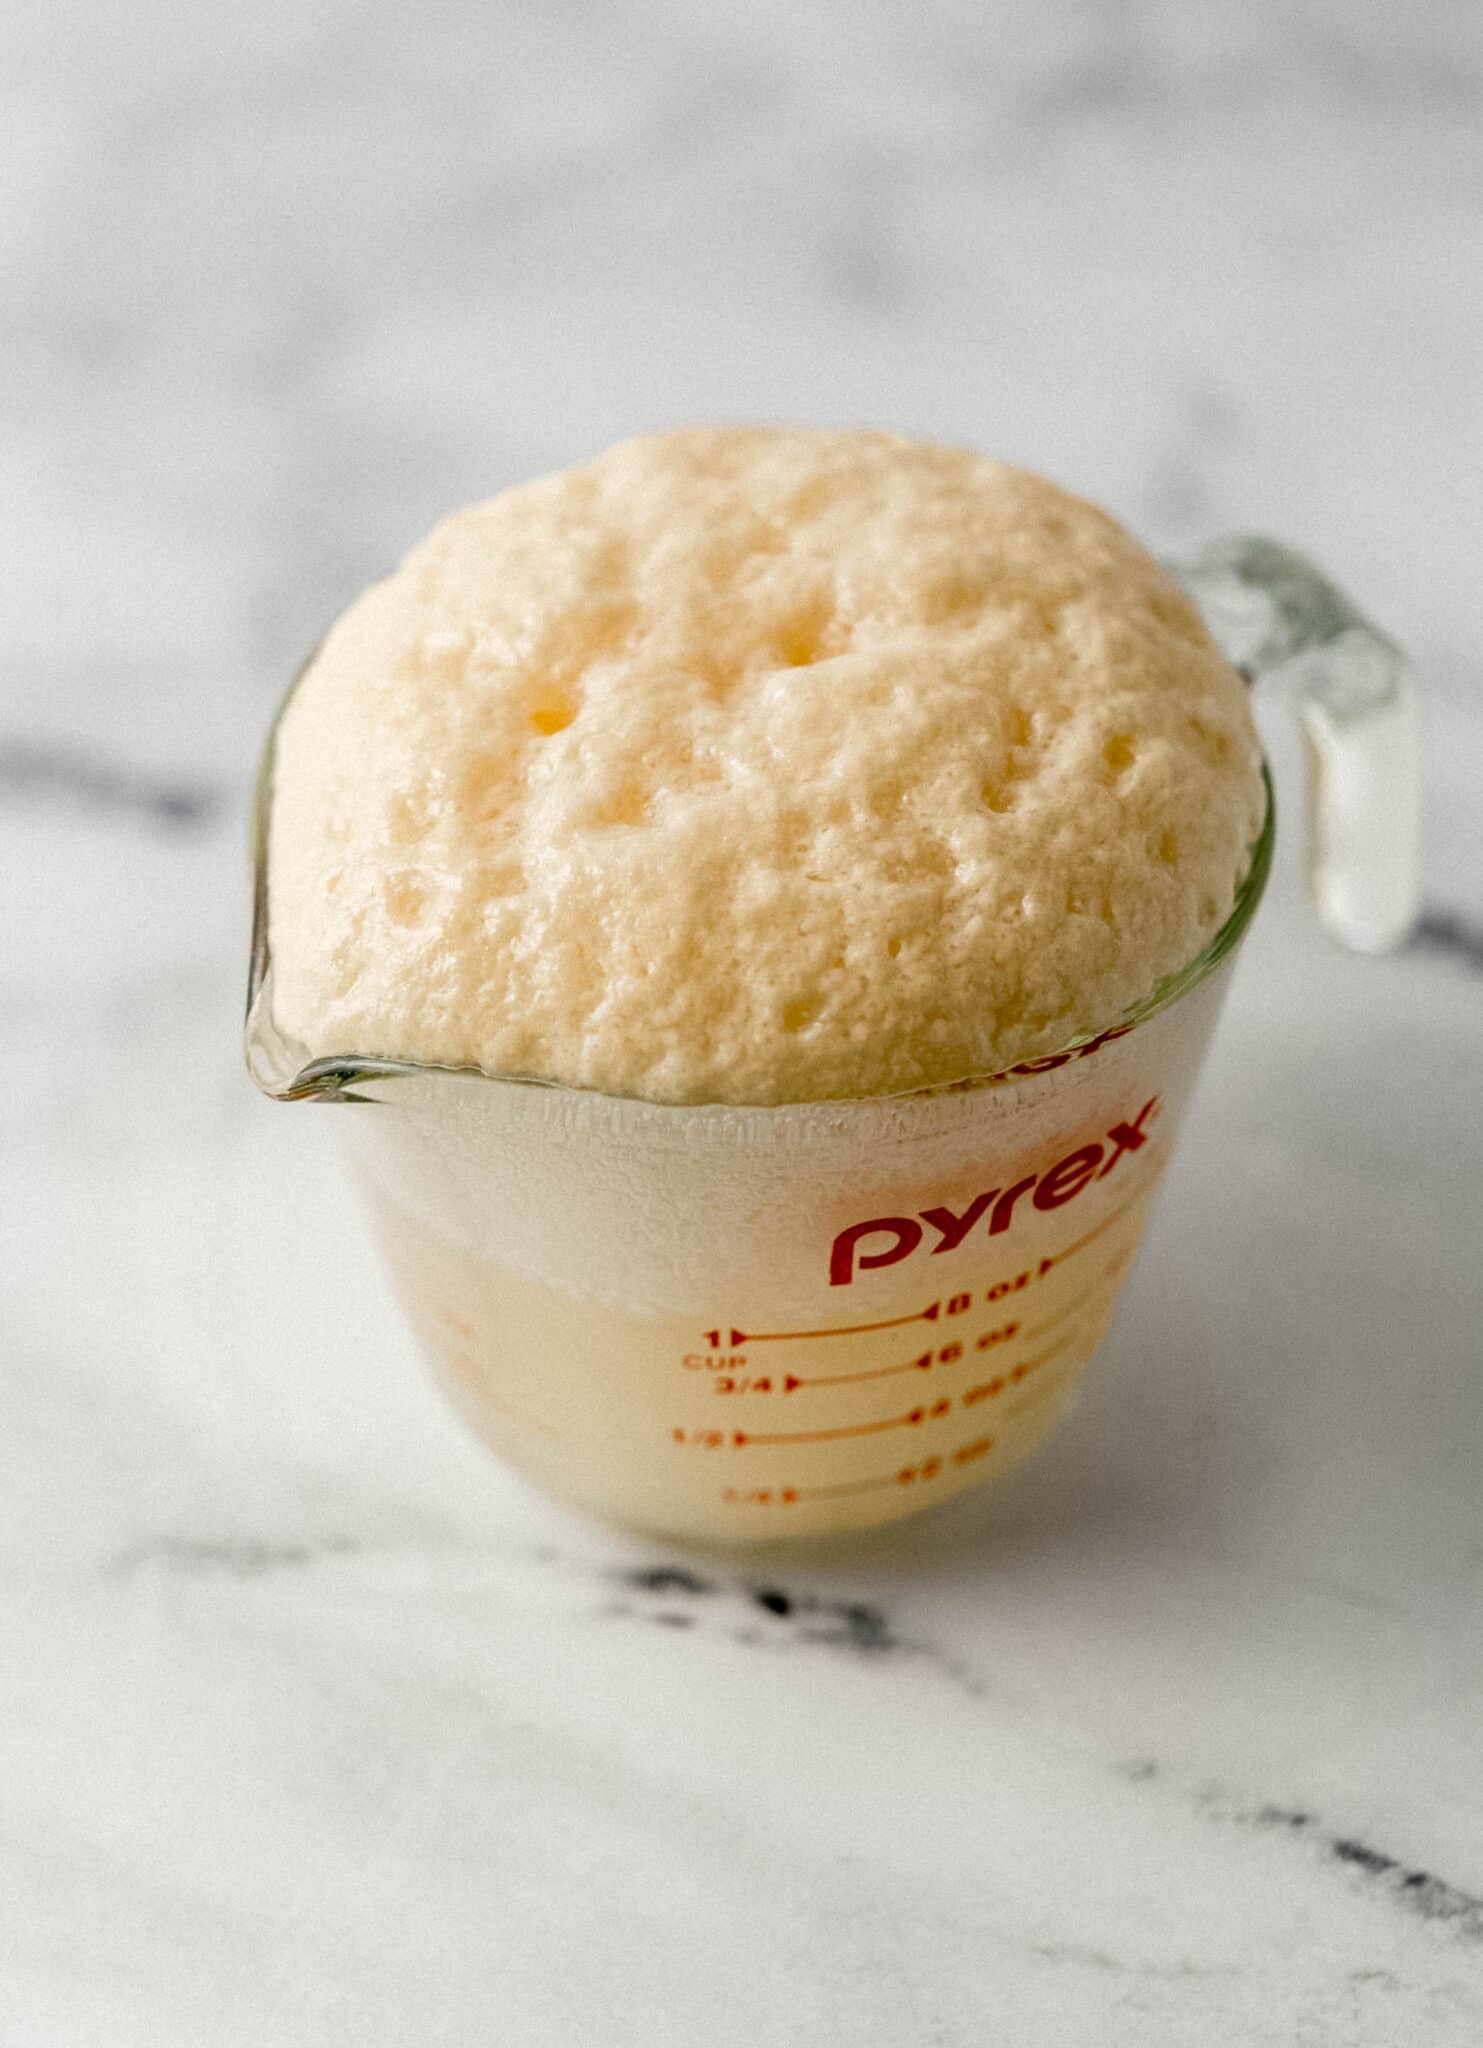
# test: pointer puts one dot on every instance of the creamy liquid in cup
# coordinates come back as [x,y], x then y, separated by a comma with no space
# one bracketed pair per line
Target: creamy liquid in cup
[745,768]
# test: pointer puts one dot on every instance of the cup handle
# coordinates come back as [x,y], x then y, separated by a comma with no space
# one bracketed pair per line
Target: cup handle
[1278,621]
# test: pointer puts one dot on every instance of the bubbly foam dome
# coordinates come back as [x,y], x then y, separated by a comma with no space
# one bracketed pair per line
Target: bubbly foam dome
[756,766]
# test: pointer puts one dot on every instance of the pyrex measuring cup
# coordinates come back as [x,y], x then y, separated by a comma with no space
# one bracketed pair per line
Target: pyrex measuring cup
[748,1324]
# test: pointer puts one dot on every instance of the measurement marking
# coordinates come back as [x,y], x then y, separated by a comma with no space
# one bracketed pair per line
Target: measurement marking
[742,1437]
[853,1486]
[1055,1383]
[1028,1365]
[792,1380]
[907,1475]
[987,1390]
[1074,1307]
[923,1315]
[1091,1237]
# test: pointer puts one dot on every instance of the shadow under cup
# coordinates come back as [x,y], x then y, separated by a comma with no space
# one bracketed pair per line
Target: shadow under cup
[744,1325]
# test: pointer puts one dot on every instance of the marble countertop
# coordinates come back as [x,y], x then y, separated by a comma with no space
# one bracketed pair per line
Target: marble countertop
[318,1729]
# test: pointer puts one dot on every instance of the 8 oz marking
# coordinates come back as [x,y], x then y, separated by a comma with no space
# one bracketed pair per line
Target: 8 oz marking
[954,1305]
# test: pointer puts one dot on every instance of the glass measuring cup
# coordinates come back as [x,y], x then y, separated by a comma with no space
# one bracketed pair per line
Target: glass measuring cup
[746,1324]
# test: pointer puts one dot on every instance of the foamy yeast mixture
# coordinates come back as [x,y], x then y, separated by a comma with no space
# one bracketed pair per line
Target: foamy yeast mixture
[755,765]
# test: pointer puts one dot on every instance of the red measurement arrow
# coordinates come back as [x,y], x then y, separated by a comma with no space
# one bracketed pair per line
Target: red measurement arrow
[793,1380]
[923,1315]
[910,1420]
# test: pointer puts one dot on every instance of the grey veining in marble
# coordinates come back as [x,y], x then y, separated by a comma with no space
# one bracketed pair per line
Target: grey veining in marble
[317,1729]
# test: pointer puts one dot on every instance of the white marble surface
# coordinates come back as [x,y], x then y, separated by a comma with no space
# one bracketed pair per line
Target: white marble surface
[316,1729]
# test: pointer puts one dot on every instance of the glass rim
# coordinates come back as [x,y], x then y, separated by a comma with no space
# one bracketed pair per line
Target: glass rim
[280,1070]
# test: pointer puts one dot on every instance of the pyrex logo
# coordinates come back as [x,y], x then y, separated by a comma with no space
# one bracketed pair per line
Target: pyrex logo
[857,1249]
